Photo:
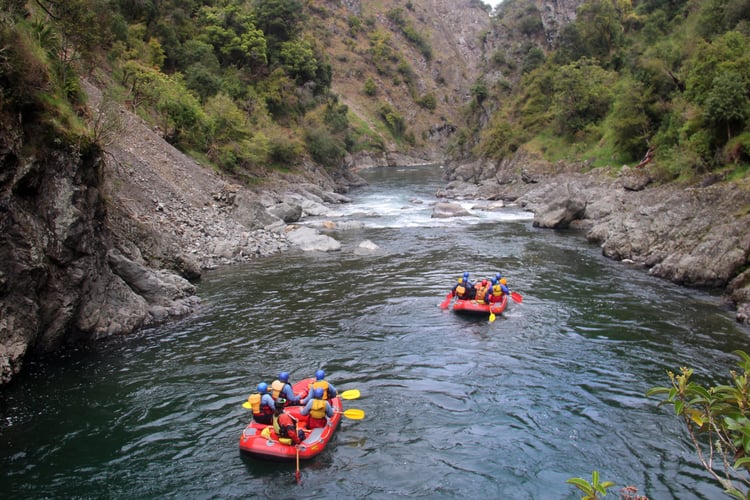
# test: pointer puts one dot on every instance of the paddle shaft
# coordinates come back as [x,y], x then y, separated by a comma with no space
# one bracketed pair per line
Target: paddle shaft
[297,474]
[350,394]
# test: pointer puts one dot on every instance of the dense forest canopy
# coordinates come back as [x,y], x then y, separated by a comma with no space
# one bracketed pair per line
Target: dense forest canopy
[239,84]
[670,76]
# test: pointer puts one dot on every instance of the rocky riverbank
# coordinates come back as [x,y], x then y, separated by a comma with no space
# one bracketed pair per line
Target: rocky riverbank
[95,246]
[696,235]
[109,242]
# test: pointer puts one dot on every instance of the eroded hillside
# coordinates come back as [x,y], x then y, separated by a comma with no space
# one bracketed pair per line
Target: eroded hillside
[418,60]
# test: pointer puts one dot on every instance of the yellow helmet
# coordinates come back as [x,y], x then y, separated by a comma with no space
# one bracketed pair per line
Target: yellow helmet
[503,281]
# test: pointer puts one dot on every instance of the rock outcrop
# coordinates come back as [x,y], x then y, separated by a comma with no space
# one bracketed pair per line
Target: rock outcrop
[61,276]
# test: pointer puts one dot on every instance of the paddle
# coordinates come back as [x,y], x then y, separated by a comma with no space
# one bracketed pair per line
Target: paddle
[353,413]
[516,297]
[444,304]
[492,315]
[350,394]
[296,474]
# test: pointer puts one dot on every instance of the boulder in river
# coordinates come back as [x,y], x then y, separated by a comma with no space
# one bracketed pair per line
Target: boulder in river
[310,240]
[445,210]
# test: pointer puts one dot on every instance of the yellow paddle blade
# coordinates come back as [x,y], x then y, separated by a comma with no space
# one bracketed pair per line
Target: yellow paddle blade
[350,394]
[492,317]
[246,405]
[353,413]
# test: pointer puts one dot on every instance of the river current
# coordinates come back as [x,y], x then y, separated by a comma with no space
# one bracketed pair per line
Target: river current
[455,407]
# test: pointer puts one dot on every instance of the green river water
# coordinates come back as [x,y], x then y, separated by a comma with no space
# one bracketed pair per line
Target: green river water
[456,408]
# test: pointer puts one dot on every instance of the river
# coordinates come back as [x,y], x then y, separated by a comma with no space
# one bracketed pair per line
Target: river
[455,408]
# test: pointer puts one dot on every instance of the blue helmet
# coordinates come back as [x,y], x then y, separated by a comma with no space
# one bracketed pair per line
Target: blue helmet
[318,393]
[498,276]
[284,377]
[466,275]
[320,374]
[262,388]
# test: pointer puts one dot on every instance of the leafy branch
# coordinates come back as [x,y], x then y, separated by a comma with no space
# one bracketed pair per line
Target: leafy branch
[716,419]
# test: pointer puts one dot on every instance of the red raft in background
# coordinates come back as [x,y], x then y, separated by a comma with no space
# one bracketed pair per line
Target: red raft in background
[474,308]
[260,440]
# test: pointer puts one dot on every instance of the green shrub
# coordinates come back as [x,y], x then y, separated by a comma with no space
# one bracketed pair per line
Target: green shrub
[370,88]
[285,150]
[428,101]
[324,148]
[393,120]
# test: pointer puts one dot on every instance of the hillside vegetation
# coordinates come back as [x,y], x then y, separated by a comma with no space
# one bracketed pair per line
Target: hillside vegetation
[623,79]
[247,85]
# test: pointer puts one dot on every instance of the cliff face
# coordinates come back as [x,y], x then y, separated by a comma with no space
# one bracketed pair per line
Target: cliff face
[61,276]
[49,247]
[104,243]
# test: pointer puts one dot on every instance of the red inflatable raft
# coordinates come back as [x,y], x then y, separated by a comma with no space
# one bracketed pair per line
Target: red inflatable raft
[260,441]
[474,308]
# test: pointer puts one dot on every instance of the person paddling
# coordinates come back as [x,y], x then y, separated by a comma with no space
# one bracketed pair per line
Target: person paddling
[329,391]
[496,293]
[482,288]
[285,425]
[318,409]
[282,388]
[464,289]
[262,404]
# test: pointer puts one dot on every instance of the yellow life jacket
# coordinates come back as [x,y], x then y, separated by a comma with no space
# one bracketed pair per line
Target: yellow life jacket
[321,384]
[276,387]
[276,427]
[460,290]
[496,295]
[277,430]
[318,409]
[254,401]
[481,292]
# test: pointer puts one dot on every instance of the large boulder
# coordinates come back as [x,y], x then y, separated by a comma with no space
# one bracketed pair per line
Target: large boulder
[564,209]
[310,240]
[286,211]
[445,210]
[252,214]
